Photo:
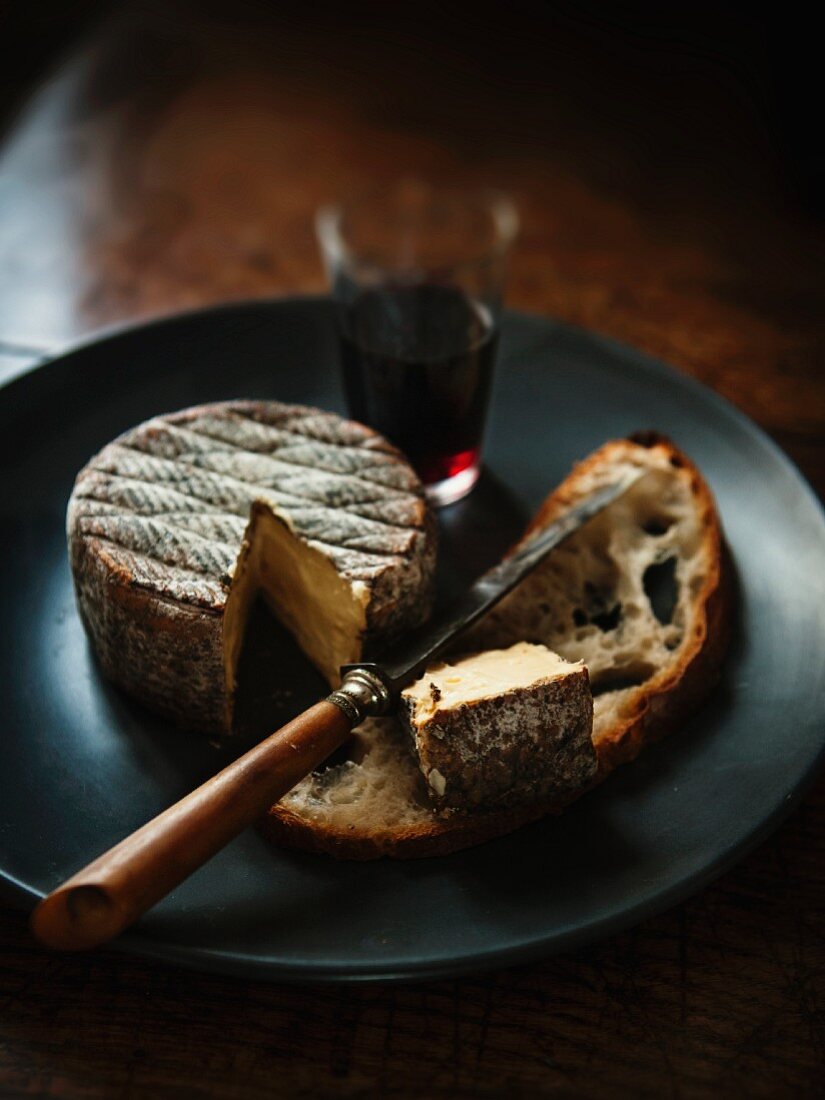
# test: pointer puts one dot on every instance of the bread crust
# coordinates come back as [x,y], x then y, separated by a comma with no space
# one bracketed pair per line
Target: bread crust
[664,700]
[658,706]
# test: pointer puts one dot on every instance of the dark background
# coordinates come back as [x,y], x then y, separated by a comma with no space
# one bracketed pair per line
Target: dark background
[727,94]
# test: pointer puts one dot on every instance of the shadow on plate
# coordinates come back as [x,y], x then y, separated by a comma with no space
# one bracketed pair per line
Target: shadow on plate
[475,533]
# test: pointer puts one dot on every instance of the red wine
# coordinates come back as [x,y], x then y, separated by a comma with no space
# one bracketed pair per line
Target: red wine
[418,363]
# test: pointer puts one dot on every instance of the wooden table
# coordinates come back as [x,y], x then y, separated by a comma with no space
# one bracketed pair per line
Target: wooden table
[174,163]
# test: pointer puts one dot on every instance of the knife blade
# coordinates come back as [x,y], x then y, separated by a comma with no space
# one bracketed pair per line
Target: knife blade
[408,659]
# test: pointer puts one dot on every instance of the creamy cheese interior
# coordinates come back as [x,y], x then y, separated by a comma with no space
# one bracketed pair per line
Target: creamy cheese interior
[325,613]
[483,676]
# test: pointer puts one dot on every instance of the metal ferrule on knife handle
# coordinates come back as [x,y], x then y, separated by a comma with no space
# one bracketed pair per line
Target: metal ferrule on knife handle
[363,694]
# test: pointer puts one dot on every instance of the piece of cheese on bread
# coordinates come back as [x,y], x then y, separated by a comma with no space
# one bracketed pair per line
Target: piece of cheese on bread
[177,525]
[502,727]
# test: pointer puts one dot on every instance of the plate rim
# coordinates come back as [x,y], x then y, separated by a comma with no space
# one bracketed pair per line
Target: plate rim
[265,968]
[539,949]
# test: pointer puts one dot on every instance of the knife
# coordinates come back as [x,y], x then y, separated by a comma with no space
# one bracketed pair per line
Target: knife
[105,897]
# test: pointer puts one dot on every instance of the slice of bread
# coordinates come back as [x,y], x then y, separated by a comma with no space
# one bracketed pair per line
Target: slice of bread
[642,594]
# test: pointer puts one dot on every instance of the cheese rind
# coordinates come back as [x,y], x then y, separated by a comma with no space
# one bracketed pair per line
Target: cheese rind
[502,727]
[158,519]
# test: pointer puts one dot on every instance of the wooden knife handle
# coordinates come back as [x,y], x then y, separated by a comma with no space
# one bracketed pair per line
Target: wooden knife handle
[104,898]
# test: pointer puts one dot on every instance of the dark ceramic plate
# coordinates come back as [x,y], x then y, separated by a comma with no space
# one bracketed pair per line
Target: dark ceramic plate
[80,765]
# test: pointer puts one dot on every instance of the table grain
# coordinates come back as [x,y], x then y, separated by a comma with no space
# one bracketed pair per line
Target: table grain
[172,163]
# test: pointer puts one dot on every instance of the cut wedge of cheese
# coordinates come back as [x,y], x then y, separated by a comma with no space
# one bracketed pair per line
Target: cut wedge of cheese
[502,727]
[326,613]
[176,526]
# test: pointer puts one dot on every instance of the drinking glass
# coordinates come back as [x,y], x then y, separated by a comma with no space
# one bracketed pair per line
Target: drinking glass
[417,277]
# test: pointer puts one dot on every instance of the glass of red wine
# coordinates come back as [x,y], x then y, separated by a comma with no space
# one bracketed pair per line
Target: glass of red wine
[417,276]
